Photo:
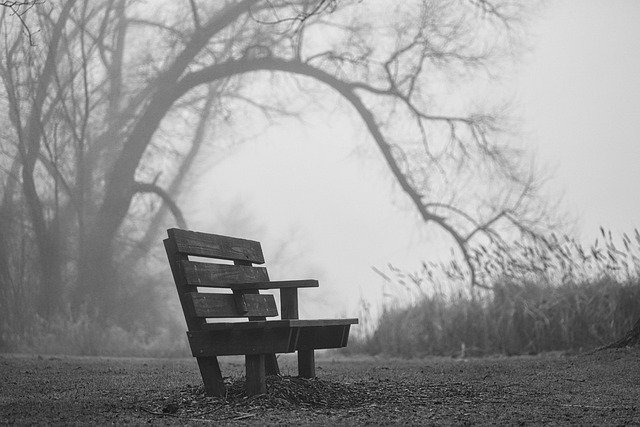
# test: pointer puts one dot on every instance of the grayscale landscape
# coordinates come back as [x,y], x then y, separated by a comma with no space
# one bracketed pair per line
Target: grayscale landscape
[319,212]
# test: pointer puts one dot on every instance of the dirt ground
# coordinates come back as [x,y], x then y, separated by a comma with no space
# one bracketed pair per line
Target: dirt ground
[601,388]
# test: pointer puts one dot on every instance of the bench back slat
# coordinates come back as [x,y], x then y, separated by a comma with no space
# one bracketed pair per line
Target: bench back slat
[216,246]
[221,275]
[225,305]
[189,275]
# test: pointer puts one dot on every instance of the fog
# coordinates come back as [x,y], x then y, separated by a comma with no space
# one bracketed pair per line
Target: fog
[365,146]
[324,190]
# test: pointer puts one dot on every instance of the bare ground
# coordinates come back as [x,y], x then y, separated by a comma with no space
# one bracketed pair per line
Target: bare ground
[601,388]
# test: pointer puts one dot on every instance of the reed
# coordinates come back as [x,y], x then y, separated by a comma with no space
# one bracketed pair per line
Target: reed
[546,295]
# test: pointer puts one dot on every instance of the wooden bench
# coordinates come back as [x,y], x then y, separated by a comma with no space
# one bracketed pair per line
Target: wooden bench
[257,339]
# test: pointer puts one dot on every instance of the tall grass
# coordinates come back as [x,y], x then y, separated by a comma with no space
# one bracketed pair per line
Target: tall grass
[81,336]
[546,295]
[150,324]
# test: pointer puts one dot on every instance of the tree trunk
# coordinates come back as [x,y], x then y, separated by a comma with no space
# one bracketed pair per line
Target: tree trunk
[97,276]
[151,234]
[50,295]
[96,269]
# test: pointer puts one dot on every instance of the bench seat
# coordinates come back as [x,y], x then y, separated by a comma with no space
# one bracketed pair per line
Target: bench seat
[269,336]
[271,324]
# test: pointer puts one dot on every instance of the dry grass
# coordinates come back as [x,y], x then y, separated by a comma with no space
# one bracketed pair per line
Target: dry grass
[546,295]
[523,318]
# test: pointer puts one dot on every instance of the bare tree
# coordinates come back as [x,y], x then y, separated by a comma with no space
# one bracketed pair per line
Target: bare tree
[87,115]
[19,9]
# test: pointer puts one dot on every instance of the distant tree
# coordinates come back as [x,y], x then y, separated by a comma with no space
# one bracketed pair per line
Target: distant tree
[88,141]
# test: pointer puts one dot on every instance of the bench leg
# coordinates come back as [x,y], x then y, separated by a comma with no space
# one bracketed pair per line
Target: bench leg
[271,364]
[211,376]
[255,368]
[306,364]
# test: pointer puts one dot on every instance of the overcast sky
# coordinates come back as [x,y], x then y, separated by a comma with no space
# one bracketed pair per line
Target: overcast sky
[323,188]
[580,91]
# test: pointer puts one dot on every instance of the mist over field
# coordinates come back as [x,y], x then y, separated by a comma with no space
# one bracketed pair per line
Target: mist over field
[435,166]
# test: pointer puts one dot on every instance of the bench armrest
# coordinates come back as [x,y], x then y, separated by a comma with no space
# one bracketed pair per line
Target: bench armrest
[278,284]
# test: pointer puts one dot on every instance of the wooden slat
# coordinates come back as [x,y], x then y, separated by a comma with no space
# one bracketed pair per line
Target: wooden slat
[255,338]
[275,324]
[243,326]
[322,322]
[317,337]
[216,246]
[276,284]
[252,341]
[222,275]
[224,305]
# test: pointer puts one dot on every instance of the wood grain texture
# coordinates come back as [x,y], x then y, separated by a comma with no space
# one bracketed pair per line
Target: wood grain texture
[209,367]
[258,339]
[216,246]
[241,303]
[271,361]
[276,284]
[225,305]
[306,364]
[211,376]
[243,326]
[252,341]
[255,374]
[289,303]
[319,337]
[222,275]
[271,364]
[276,324]
[175,259]
[323,322]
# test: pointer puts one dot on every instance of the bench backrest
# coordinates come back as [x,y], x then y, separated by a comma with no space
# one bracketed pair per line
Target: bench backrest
[190,275]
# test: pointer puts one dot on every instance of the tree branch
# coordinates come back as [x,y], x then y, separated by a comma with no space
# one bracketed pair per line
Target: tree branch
[142,187]
[15,7]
